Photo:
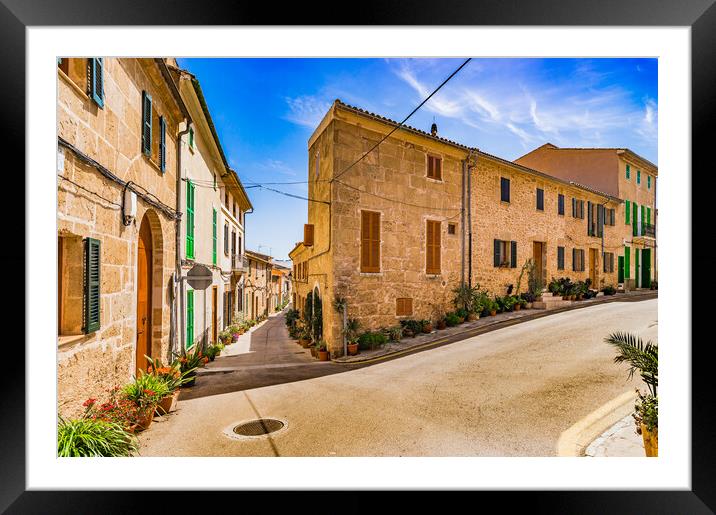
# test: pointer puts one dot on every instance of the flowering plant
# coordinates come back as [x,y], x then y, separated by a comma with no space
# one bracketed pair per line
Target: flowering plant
[172,375]
[118,409]
[146,391]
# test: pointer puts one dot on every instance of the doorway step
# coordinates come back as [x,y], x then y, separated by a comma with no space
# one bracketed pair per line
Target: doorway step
[551,302]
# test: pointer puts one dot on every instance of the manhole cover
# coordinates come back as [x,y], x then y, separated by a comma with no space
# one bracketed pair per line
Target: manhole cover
[262,426]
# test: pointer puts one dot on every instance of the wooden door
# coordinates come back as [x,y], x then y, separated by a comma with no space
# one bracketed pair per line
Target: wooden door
[144,291]
[620,270]
[539,261]
[593,267]
[646,268]
[214,314]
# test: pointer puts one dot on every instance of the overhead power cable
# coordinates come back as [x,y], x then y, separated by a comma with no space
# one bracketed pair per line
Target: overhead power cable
[335,177]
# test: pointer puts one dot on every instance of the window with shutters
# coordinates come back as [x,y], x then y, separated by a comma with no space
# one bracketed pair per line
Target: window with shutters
[505,254]
[608,262]
[92,286]
[577,208]
[189,220]
[452,228]
[435,168]
[504,189]
[638,176]
[627,211]
[162,144]
[540,199]
[191,139]
[578,260]
[213,236]
[560,204]
[189,319]
[432,247]
[308,233]
[370,242]
[71,273]
[628,172]
[404,307]
[648,182]
[560,258]
[226,238]
[79,73]
[147,124]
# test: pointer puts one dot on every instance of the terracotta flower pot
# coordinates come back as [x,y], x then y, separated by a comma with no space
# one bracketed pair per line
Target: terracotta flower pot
[305,343]
[428,328]
[572,297]
[471,317]
[517,307]
[528,306]
[145,418]
[442,325]
[313,352]
[322,355]
[651,441]
[460,320]
[352,349]
[168,404]
[493,312]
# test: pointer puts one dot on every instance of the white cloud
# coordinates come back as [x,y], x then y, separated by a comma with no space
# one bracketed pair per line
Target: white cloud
[307,110]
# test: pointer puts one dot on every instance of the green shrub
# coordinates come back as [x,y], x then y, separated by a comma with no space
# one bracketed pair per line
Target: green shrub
[609,290]
[146,390]
[85,437]
[371,340]
[461,313]
[395,333]
[412,327]
[452,319]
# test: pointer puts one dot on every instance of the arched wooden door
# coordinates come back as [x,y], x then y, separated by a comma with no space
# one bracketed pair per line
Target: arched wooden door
[144,295]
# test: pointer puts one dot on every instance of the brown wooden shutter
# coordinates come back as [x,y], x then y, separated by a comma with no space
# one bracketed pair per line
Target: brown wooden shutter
[432,248]
[308,235]
[370,241]
[431,167]
[403,307]
[438,168]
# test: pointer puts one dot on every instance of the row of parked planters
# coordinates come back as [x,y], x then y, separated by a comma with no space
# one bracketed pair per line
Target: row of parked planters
[108,426]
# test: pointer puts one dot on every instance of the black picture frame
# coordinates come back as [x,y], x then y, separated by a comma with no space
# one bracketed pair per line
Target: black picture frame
[700,15]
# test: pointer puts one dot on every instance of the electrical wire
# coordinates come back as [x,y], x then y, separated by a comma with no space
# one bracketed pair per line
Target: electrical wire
[399,201]
[335,177]
[118,206]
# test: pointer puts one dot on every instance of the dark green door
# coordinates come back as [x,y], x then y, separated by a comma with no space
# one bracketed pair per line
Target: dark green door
[646,268]
[620,270]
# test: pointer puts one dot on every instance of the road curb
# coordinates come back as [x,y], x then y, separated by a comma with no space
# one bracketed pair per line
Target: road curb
[577,438]
[492,326]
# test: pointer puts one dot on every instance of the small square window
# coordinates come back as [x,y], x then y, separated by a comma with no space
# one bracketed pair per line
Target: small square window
[452,228]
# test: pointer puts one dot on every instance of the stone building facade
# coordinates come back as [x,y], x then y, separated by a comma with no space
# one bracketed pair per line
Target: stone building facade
[213,230]
[624,174]
[395,231]
[118,121]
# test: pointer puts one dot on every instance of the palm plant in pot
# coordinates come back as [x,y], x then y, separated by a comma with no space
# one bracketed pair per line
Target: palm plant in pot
[643,358]
[352,329]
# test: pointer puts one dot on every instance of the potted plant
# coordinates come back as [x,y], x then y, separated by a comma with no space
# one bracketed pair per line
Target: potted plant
[174,379]
[493,308]
[189,363]
[352,328]
[441,323]
[516,303]
[371,340]
[146,391]
[427,326]
[305,337]
[643,358]
[411,327]
[322,351]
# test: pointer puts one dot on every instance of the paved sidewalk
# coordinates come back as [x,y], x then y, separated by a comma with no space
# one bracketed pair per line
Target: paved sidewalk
[620,440]
[467,329]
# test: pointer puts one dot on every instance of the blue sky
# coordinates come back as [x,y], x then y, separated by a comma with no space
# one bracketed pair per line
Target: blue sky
[266,109]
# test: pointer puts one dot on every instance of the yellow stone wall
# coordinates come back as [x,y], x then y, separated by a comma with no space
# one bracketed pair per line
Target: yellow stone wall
[89,364]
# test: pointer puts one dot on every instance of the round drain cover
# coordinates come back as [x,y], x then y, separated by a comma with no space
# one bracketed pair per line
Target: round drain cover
[261,426]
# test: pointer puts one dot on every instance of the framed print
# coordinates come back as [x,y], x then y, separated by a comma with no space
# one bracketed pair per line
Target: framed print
[425,250]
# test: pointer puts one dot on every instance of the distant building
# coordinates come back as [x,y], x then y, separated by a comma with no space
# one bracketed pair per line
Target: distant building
[258,285]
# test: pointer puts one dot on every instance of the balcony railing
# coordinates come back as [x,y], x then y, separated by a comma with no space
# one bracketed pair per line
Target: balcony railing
[648,230]
[239,263]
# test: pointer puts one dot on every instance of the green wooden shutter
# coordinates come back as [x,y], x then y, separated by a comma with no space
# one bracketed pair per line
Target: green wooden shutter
[162,144]
[627,263]
[634,221]
[92,285]
[627,212]
[146,123]
[189,220]
[637,269]
[574,207]
[97,80]
[214,237]
[638,176]
[627,171]
[648,215]
[513,254]
[497,258]
[189,318]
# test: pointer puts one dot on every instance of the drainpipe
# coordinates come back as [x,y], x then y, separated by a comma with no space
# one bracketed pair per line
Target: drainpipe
[178,283]
[462,224]
[469,220]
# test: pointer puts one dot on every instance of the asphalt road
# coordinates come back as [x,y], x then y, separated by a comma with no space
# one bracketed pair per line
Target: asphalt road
[510,392]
